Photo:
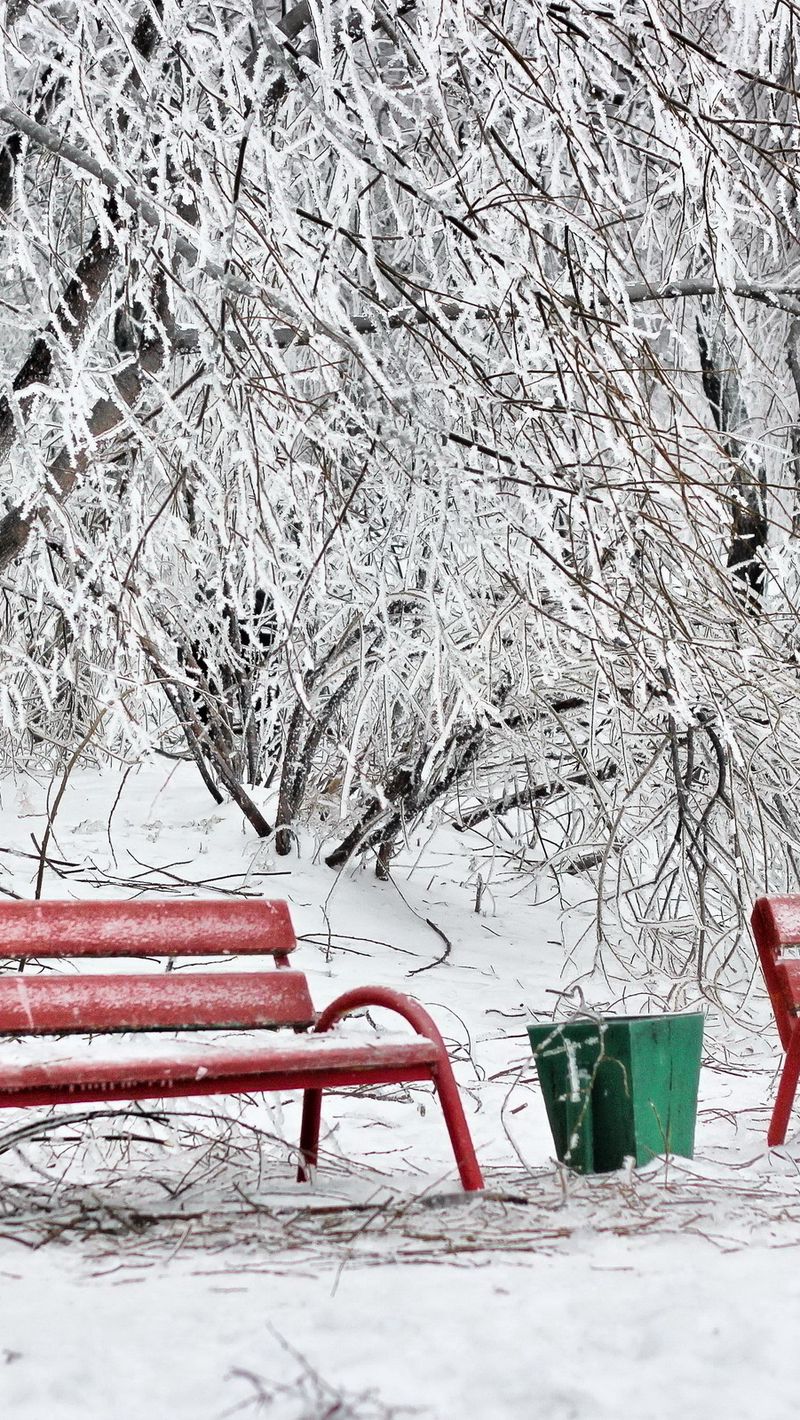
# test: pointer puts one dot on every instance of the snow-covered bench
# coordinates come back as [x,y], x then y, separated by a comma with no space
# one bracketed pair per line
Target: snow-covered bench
[305,1057]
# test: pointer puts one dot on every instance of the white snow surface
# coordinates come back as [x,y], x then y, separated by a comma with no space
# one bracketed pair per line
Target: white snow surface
[165,1263]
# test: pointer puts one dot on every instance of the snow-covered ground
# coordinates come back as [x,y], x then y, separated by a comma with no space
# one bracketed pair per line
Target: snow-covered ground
[167,1265]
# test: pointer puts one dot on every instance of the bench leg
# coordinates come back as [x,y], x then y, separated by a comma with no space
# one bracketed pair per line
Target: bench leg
[786,1092]
[457,1127]
[309,1134]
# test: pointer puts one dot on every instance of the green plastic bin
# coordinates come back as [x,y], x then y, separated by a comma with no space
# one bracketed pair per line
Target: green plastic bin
[620,1088]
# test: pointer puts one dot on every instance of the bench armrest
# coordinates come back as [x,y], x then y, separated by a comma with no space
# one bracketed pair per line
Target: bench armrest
[441,1074]
[384,997]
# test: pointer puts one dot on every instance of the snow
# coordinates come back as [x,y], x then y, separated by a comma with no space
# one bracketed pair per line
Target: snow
[606,1331]
[169,1265]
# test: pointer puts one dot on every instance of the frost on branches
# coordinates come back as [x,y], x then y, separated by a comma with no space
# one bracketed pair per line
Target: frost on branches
[400,410]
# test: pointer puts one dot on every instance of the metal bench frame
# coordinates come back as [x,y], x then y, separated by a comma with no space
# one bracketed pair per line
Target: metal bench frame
[312,1061]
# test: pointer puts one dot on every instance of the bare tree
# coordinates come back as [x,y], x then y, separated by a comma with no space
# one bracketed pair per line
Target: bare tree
[396,408]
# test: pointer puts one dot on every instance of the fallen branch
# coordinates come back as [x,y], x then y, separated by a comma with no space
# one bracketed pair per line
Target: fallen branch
[532,793]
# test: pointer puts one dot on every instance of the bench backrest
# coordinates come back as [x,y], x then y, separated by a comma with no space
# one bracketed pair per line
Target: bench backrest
[56,1004]
[776,927]
[235,927]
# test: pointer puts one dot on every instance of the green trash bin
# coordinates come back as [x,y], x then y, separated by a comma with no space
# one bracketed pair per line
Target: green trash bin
[620,1088]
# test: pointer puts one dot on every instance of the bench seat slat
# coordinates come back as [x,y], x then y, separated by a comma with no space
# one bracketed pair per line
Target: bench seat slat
[127,929]
[55,1005]
[305,1059]
[787,976]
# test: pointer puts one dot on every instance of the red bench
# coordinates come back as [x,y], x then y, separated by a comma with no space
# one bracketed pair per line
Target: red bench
[311,1059]
[776,928]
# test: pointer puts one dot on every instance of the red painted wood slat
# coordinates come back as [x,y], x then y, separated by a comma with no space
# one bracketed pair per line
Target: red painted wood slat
[251,1070]
[780,917]
[775,923]
[308,1077]
[787,977]
[45,1005]
[124,929]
